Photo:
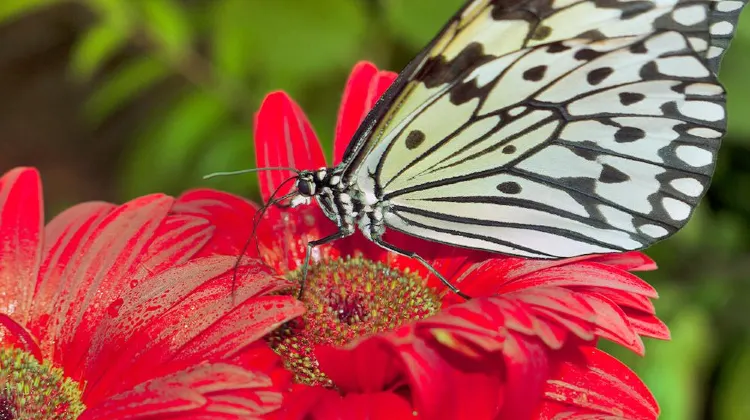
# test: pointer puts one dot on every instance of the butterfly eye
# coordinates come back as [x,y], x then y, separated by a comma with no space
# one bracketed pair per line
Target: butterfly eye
[306,187]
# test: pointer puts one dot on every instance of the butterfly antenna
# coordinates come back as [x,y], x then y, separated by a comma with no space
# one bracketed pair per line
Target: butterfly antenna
[247,171]
[257,217]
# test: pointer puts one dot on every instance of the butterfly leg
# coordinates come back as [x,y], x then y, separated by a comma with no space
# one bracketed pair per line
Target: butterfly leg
[342,233]
[422,261]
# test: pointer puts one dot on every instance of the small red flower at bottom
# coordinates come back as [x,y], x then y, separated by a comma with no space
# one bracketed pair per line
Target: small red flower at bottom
[108,313]
[382,338]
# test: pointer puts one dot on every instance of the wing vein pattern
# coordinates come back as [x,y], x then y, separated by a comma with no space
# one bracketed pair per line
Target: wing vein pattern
[551,128]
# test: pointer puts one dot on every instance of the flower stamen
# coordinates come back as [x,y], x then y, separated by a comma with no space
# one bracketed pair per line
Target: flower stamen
[30,389]
[348,299]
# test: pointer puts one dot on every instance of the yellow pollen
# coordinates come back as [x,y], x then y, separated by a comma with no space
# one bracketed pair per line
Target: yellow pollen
[348,299]
[30,389]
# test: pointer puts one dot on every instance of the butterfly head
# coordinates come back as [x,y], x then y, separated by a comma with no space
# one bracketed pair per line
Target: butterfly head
[310,184]
[306,185]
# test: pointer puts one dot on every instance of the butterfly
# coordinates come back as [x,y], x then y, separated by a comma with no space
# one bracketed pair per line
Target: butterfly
[541,129]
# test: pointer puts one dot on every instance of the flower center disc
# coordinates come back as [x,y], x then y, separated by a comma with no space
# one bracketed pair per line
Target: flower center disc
[348,299]
[33,390]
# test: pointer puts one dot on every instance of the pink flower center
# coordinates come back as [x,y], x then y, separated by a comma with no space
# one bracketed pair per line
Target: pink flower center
[348,299]
[33,390]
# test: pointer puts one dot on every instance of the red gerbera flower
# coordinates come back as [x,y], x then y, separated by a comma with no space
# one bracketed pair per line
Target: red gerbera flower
[382,338]
[105,313]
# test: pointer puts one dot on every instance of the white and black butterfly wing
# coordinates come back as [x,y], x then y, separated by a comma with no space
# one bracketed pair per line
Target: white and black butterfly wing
[551,129]
[722,23]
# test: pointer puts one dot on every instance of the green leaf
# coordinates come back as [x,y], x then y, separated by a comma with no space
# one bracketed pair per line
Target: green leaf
[418,21]
[115,13]
[230,149]
[130,81]
[172,144]
[293,41]
[168,24]
[230,30]
[14,9]
[675,371]
[95,47]
[734,76]
[733,402]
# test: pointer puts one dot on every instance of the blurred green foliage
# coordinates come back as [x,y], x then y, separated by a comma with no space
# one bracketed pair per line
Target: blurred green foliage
[227,54]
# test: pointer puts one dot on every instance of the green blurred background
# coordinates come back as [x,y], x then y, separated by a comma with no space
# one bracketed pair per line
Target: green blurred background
[117,98]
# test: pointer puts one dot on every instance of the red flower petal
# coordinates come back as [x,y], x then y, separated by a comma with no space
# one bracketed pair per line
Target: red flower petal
[135,329]
[439,383]
[556,313]
[283,236]
[365,86]
[14,335]
[490,351]
[648,325]
[353,106]
[96,262]
[597,386]
[503,277]
[145,333]
[313,403]
[280,237]
[230,216]
[613,323]
[255,314]
[175,241]
[21,221]
[528,364]
[384,80]
[630,261]
[215,391]
[449,261]
[63,235]
[625,299]
[244,325]
[97,274]
[283,138]
[367,367]
[70,220]
[638,309]
[461,328]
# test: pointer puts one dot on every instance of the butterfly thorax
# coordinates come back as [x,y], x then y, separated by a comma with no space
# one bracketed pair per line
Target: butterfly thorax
[340,202]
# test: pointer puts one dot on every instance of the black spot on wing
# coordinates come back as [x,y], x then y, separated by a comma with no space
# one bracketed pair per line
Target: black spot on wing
[587,54]
[649,71]
[509,188]
[630,98]
[438,71]
[510,149]
[531,10]
[583,191]
[587,154]
[464,92]
[414,139]
[557,47]
[629,134]
[594,77]
[612,175]
[535,74]
[638,48]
